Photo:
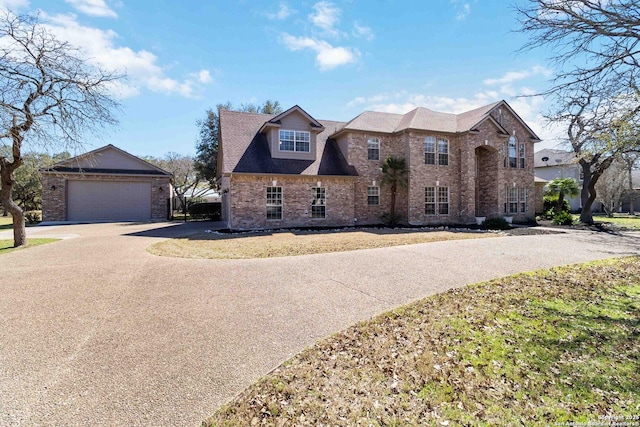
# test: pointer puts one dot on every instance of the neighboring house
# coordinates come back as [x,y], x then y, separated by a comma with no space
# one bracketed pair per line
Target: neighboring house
[551,164]
[292,170]
[635,181]
[107,184]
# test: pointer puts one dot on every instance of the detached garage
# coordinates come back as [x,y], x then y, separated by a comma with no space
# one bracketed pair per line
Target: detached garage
[107,184]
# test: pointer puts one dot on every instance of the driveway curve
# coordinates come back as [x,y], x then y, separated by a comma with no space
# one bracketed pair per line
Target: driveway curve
[96,331]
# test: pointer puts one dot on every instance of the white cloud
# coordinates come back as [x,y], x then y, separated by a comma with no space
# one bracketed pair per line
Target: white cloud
[93,8]
[513,76]
[523,99]
[362,31]
[141,67]
[326,16]
[13,4]
[463,9]
[327,56]
[204,76]
[283,12]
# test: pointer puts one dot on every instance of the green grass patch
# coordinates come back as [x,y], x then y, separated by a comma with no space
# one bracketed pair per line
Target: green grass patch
[541,348]
[6,246]
[620,221]
[6,222]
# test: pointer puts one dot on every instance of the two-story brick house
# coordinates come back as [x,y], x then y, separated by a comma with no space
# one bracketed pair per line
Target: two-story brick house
[291,170]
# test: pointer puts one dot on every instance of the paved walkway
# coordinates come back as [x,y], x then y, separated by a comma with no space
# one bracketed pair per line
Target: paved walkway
[95,331]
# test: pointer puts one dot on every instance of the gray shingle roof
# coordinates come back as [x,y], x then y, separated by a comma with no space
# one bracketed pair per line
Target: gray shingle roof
[553,158]
[247,151]
[420,118]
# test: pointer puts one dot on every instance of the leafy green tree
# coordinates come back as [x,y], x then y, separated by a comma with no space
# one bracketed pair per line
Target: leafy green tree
[50,95]
[206,160]
[563,187]
[394,174]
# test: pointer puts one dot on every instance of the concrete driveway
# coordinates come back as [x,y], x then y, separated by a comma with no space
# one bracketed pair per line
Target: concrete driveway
[95,331]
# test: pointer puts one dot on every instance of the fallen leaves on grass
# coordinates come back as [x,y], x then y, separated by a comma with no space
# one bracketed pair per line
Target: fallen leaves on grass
[288,243]
[531,349]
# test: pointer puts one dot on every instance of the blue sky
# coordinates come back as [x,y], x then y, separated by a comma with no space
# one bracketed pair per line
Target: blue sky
[335,59]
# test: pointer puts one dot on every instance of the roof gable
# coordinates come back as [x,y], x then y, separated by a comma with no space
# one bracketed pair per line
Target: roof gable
[108,158]
[276,120]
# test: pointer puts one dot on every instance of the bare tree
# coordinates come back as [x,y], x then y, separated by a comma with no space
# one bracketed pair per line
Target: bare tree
[599,129]
[631,160]
[186,180]
[611,186]
[595,41]
[49,95]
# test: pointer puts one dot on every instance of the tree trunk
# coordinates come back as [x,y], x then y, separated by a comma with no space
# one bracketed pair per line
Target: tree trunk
[19,228]
[631,192]
[393,203]
[586,197]
[560,206]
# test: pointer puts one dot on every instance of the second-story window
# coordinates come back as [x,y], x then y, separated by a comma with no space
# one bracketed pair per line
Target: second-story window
[436,151]
[443,151]
[513,152]
[522,155]
[295,140]
[429,150]
[373,149]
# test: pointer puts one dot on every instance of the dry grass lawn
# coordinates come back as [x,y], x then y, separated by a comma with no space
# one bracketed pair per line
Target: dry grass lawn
[554,347]
[288,243]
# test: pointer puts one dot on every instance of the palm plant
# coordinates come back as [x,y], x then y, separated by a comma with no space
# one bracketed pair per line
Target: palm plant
[394,173]
[562,187]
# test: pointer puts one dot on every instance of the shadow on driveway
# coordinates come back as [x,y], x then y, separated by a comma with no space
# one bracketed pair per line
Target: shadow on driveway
[177,229]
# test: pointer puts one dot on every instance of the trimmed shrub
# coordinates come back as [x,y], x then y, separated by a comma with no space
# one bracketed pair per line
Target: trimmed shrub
[563,218]
[497,223]
[549,206]
[210,211]
[32,217]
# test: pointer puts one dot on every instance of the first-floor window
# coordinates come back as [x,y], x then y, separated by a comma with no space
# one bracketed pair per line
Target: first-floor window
[523,200]
[443,200]
[511,200]
[436,200]
[274,202]
[430,200]
[318,204]
[373,196]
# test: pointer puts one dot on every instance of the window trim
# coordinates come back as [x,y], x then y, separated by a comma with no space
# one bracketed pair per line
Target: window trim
[295,140]
[434,203]
[319,193]
[522,156]
[512,146]
[434,154]
[369,195]
[373,146]
[279,202]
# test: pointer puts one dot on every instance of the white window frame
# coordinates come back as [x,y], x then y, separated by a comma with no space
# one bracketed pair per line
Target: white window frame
[443,154]
[523,200]
[297,138]
[373,148]
[522,156]
[436,151]
[513,152]
[271,203]
[437,200]
[429,150]
[373,192]
[511,200]
[319,202]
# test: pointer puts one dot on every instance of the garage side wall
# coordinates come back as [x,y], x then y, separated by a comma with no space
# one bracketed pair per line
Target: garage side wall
[54,193]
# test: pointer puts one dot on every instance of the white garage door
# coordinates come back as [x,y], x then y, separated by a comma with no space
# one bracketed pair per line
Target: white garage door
[108,201]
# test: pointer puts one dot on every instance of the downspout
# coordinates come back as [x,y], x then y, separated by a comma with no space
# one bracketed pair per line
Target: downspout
[229,202]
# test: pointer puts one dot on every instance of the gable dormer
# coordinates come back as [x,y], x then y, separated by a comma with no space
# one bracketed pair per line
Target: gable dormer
[292,135]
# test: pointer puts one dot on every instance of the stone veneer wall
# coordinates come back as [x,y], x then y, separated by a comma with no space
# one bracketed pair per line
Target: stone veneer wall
[248,195]
[54,202]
